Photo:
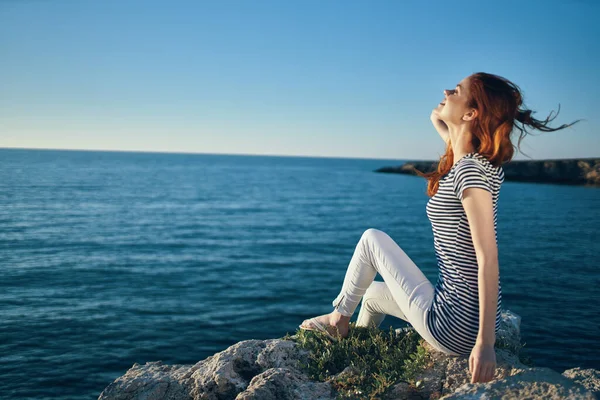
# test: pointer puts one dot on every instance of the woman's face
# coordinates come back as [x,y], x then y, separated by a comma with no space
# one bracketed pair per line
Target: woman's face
[454,105]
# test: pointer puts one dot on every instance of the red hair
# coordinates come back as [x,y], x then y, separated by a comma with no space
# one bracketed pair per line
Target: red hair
[497,101]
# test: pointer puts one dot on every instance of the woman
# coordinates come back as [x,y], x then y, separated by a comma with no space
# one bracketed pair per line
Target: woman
[461,315]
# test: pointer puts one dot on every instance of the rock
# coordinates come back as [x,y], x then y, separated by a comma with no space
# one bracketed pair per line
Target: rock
[221,376]
[568,171]
[152,381]
[530,383]
[269,369]
[589,378]
[284,384]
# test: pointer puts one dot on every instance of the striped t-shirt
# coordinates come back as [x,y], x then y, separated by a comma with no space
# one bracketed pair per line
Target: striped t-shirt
[454,314]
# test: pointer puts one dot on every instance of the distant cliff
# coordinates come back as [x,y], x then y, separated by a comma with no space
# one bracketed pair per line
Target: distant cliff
[582,171]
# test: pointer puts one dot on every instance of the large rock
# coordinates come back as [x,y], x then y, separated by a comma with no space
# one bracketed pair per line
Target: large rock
[268,369]
[242,367]
[530,383]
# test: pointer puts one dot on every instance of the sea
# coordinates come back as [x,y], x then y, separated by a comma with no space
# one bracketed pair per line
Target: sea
[112,258]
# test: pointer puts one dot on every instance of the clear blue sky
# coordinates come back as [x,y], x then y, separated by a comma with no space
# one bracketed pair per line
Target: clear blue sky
[321,78]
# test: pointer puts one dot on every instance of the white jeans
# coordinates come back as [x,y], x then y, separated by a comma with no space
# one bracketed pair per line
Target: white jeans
[404,293]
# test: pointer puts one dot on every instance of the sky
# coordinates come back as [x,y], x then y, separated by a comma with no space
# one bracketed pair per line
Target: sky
[354,79]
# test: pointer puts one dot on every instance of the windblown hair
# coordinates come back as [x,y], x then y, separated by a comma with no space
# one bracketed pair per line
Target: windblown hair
[498,103]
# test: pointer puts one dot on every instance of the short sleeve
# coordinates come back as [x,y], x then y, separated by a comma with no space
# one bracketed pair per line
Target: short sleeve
[470,173]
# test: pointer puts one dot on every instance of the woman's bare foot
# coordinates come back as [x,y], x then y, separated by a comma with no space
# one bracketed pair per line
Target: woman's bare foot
[333,320]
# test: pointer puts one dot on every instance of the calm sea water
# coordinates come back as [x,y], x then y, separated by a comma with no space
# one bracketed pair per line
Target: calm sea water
[113,258]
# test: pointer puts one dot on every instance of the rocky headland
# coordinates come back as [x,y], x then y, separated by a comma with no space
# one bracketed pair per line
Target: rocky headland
[270,369]
[582,171]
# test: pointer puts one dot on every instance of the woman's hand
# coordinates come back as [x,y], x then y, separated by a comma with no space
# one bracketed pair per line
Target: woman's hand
[439,125]
[482,363]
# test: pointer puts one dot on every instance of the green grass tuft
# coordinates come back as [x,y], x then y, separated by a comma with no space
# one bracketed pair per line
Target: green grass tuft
[377,359]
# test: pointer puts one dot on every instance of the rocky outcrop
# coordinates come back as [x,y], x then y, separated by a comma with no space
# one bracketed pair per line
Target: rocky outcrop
[268,369]
[584,171]
[251,369]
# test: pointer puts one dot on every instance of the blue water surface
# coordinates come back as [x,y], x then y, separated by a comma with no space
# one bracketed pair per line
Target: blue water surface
[115,258]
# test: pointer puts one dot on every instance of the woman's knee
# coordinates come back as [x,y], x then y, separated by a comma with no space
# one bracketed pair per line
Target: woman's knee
[368,303]
[370,292]
[373,292]
[371,233]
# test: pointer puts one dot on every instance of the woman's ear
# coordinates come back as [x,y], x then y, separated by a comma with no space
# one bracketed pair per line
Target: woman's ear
[471,115]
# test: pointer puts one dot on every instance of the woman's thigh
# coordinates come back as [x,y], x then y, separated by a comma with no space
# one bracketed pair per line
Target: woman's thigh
[408,286]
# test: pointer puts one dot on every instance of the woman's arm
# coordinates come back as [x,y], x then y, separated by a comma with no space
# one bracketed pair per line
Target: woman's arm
[440,125]
[477,203]
[478,206]
[488,302]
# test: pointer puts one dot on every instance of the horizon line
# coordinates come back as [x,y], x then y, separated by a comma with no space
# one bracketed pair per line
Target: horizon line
[263,155]
[194,153]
